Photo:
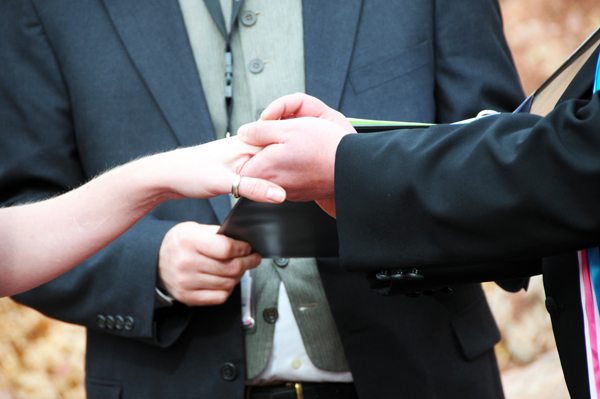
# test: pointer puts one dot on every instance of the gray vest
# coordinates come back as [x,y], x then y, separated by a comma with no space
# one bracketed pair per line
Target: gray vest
[310,308]
[264,70]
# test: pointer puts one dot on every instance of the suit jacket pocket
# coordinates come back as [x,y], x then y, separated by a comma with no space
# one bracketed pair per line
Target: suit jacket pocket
[102,389]
[382,71]
[476,330]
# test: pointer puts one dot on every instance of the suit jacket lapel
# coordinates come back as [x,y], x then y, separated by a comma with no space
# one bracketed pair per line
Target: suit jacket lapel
[329,31]
[154,34]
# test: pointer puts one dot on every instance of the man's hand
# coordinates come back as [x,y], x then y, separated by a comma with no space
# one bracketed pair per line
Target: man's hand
[301,105]
[199,267]
[300,155]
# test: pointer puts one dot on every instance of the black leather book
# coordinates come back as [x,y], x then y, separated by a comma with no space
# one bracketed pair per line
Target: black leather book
[287,230]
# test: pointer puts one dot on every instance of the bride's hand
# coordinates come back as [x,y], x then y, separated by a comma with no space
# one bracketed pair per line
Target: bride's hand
[208,170]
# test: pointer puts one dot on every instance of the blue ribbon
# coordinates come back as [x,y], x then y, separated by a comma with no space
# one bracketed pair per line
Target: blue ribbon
[594,254]
[597,77]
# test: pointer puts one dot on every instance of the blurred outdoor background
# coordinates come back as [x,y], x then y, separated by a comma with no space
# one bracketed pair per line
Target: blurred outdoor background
[42,358]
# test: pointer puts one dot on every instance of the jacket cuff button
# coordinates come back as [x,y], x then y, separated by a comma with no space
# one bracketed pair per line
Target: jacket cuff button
[129,323]
[383,275]
[119,322]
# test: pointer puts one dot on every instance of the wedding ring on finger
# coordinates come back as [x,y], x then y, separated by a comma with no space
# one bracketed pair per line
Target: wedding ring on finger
[235,187]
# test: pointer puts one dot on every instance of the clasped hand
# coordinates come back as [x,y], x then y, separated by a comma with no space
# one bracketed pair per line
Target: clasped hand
[298,135]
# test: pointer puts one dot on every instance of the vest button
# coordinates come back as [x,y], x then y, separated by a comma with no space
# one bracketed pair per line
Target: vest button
[248,19]
[256,66]
[281,262]
[228,372]
[270,315]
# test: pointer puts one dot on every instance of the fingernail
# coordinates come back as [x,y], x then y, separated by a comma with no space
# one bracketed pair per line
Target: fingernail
[242,131]
[275,194]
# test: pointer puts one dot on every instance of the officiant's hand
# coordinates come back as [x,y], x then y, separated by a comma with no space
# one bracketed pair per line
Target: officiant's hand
[300,150]
[300,105]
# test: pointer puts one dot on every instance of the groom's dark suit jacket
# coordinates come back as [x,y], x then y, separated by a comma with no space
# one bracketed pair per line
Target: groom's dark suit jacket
[502,188]
[89,84]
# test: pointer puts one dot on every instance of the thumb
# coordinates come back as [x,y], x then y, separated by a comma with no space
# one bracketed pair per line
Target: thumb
[261,190]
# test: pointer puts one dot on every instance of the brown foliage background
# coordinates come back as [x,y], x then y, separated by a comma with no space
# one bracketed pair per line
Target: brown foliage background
[43,358]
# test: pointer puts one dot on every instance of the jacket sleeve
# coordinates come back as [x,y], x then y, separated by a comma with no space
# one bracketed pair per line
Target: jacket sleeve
[503,187]
[474,69]
[39,160]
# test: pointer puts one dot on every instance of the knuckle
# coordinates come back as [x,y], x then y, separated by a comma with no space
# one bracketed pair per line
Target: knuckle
[229,249]
[220,247]
[180,295]
[177,239]
[236,267]
[184,241]
[183,265]
[228,284]
[254,261]
[338,115]
[179,282]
